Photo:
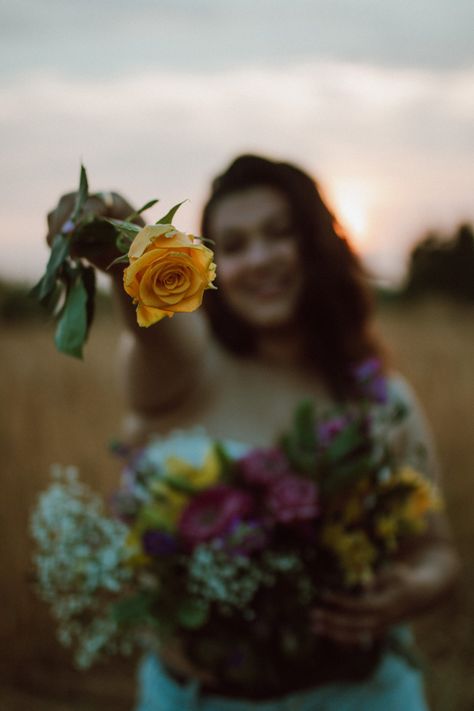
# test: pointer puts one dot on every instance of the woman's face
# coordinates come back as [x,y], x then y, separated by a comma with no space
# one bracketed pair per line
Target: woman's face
[258,264]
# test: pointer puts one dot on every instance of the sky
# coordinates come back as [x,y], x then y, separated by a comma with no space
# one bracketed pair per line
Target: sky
[375,100]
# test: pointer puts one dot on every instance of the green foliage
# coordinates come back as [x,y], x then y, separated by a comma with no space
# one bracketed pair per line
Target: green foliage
[345,443]
[226,462]
[82,195]
[168,218]
[193,613]
[133,610]
[70,281]
[300,443]
[47,284]
[136,214]
[71,330]
[126,233]
[443,266]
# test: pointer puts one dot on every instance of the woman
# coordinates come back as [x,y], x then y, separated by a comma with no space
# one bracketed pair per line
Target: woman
[291,318]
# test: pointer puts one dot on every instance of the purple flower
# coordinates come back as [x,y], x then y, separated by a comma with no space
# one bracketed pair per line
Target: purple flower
[371,380]
[292,498]
[68,227]
[329,429]
[158,543]
[213,513]
[261,467]
[367,369]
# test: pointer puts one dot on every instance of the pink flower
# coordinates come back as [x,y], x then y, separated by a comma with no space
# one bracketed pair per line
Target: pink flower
[292,498]
[262,467]
[331,428]
[213,513]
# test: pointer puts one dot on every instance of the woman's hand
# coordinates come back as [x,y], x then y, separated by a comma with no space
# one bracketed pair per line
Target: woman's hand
[362,619]
[406,588]
[104,204]
[173,657]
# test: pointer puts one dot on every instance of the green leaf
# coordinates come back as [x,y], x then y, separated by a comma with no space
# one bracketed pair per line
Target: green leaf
[305,425]
[300,443]
[124,226]
[192,613]
[71,331]
[47,284]
[51,301]
[82,195]
[126,233]
[180,485]
[123,242]
[123,259]
[89,281]
[133,610]
[348,440]
[168,218]
[345,475]
[225,460]
[134,215]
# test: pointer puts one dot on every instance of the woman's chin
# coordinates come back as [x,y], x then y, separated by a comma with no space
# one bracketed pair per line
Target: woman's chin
[271,320]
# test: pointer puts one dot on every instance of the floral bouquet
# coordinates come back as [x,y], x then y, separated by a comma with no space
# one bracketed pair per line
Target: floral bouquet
[226,548]
[167,270]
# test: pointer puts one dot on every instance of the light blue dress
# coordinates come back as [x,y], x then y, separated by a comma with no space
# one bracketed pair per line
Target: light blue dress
[394,686]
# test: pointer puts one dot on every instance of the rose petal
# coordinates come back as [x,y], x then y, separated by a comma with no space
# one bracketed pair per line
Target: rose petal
[145,237]
[147,316]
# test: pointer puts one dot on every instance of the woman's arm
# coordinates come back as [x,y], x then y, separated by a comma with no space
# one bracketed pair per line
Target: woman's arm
[160,365]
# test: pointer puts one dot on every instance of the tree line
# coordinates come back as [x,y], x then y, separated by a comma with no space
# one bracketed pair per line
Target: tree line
[443,266]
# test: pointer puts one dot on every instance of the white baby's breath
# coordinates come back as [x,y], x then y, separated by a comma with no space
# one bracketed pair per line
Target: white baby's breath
[80,565]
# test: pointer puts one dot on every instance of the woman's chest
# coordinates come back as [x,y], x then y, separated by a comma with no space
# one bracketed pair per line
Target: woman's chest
[240,401]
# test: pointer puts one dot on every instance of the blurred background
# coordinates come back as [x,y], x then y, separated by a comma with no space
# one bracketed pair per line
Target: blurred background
[375,100]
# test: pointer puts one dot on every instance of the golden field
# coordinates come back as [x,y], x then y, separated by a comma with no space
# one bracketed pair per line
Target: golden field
[55,409]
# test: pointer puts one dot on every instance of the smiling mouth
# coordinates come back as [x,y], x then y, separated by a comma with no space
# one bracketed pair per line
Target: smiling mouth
[270,289]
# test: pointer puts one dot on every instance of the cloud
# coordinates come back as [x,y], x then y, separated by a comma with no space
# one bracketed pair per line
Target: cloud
[397,140]
[108,38]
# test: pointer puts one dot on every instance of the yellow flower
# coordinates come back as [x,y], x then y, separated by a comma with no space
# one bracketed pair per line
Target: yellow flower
[197,477]
[352,510]
[133,546]
[168,273]
[387,527]
[355,553]
[165,510]
[423,497]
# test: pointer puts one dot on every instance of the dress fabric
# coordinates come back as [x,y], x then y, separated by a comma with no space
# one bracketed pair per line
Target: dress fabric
[394,686]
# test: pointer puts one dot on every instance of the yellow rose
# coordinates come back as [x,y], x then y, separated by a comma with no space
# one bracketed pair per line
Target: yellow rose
[168,273]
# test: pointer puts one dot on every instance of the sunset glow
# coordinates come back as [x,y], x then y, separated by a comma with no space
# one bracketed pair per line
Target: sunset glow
[352,202]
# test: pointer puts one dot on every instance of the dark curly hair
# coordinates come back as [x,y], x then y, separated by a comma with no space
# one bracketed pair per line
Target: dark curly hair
[336,305]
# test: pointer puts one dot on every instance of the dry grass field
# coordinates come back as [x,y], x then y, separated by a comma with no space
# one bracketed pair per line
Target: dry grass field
[57,410]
